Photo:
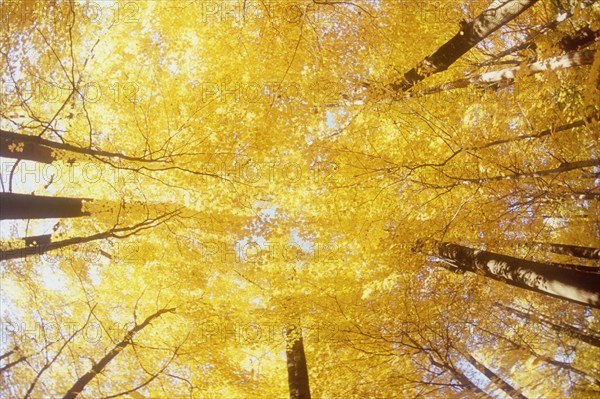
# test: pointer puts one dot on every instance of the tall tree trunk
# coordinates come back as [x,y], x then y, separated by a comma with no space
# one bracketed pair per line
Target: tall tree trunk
[460,377]
[16,149]
[25,206]
[564,167]
[571,331]
[43,246]
[505,386]
[37,142]
[526,348]
[579,39]
[297,368]
[572,285]
[581,268]
[43,239]
[571,250]
[543,133]
[568,367]
[99,366]
[495,16]
[547,27]
[509,74]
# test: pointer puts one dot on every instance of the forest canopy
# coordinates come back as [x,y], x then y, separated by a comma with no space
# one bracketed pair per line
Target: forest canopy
[300,199]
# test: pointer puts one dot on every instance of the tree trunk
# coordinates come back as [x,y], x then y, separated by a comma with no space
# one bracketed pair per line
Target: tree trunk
[526,348]
[43,239]
[25,206]
[495,16]
[509,74]
[37,141]
[297,369]
[505,386]
[570,250]
[581,268]
[572,285]
[543,133]
[42,248]
[564,167]
[568,367]
[461,378]
[27,150]
[581,38]
[530,43]
[571,331]
[98,367]
[44,245]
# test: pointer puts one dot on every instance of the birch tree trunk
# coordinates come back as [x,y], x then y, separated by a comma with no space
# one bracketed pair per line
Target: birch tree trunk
[572,285]
[571,250]
[505,386]
[509,74]
[493,18]
[571,331]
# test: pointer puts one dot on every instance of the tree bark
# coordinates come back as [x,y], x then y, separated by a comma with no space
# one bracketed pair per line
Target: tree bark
[543,133]
[564,167]
[572,285]
[568,43]
[42,247]
[25,206]
[43,239]
[571,331]
[580,38]
[509,74]
[495,16]
[571,250]
[37,142]
[505,386]
[297,370]
[571,266]
[98,367]
[28,150]
[461,378]
[526,348]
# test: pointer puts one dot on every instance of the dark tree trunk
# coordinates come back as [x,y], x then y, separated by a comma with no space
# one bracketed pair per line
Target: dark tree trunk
[581,268]
[99,366]
[571,250]
[571,285]
[28,150]
[543,133]
[528,349]
[505,386]
[562,168]
[297,370]
[43,239]
[579,39]
[25,206]
[495,16]
[459,376]
[571,331]
[36,141]
[40,248]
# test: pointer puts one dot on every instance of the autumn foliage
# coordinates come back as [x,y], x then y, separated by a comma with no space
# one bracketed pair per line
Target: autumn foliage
[303,199]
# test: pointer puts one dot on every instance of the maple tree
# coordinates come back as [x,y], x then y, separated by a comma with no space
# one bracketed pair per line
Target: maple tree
[265,199]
